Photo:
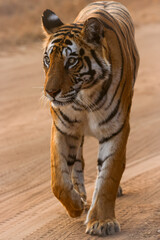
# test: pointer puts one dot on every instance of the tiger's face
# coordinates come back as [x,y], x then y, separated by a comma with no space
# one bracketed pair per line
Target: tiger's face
[73,64]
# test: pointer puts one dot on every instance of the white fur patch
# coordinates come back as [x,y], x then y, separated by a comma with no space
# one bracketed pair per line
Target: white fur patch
[106,149]
[50,47]
[70,49]
[52,17]
[48,96]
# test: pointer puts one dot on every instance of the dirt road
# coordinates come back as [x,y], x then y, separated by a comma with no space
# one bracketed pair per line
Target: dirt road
[28,209]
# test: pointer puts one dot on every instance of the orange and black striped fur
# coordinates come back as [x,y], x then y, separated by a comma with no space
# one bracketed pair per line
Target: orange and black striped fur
[90,67]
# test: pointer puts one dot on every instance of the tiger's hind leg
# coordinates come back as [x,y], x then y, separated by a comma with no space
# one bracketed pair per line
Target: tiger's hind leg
[77,173]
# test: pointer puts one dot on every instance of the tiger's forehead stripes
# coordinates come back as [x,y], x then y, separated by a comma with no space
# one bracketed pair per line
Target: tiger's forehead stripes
[67,47]
[68,35]
[63,36]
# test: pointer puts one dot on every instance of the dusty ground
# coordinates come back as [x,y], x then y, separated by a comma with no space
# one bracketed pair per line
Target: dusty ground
[28,210]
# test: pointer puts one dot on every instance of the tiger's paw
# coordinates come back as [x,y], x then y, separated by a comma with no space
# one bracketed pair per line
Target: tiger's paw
[103,228]
[75,210]
[73,202]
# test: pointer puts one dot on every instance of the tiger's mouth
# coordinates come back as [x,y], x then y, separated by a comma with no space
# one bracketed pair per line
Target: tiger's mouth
[60,100]
[57,103]
[64,99]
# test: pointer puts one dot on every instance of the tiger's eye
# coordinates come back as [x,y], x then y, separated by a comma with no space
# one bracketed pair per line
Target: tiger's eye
[71,61]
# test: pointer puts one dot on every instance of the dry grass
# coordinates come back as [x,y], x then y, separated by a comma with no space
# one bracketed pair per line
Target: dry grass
[21,20]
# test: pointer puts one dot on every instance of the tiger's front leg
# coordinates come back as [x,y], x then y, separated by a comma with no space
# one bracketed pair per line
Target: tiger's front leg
[61,164]
[78,170]
[111,163]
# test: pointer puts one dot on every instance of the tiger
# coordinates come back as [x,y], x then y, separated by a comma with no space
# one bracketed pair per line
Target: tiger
[90,70]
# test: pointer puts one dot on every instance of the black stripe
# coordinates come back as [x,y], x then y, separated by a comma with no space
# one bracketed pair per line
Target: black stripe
[105,139]
[88,61]
[111,115]
[71,160]
[64,133]
[81,51]
[82,142]
[68,42]
[90,71]
[61,33]
[72,26]
[56,40]
[114,112]
[66,30]
[105,15]
[96,58]
[59,118]
[75,31]
[101,161]
[63,30]
[70,163]
[105,88]
[77,109]
[73,54]
[67,119]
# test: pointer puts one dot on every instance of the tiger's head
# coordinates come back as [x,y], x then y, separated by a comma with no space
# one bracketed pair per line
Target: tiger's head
[75,59]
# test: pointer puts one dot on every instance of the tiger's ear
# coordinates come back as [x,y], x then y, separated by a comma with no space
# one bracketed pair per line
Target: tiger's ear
[93,30]
[50,21]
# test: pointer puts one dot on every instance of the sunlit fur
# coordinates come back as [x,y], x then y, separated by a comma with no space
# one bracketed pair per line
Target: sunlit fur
[90,67]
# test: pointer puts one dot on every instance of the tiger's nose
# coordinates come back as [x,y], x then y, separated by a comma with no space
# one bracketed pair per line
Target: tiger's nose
[53,93]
